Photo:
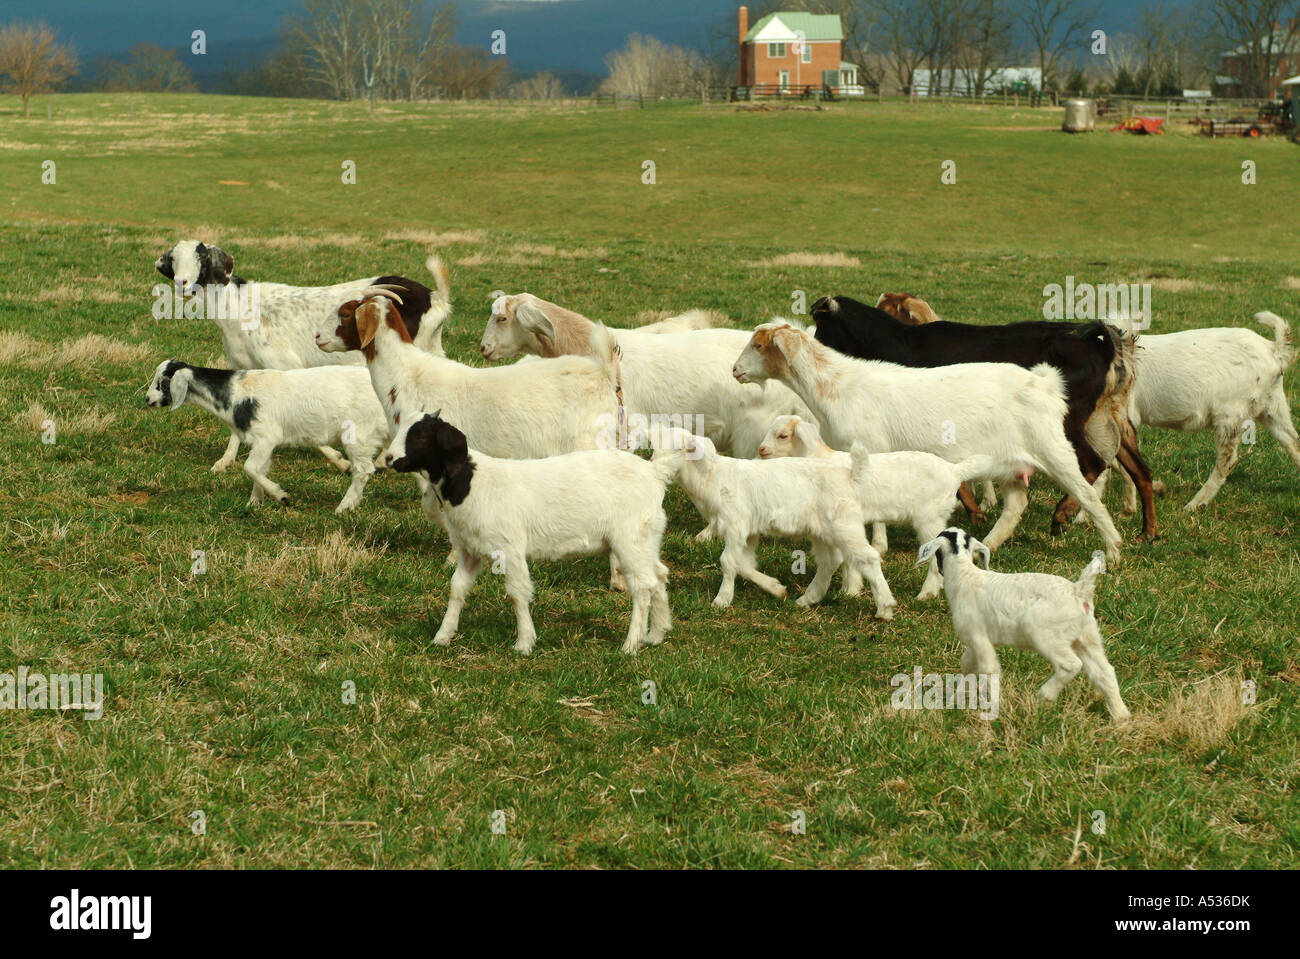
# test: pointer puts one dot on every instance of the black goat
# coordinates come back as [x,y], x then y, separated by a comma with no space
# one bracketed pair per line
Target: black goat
[1090,356]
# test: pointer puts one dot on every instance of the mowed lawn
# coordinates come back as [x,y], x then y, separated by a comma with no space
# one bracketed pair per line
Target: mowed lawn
[225,691]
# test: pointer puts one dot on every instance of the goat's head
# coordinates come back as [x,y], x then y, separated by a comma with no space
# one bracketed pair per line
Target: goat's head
[358,323]
[518,324]
[906,308]
[769,352]
[429,444]
[952,543]
[192,264]
[790,435]
[170,384]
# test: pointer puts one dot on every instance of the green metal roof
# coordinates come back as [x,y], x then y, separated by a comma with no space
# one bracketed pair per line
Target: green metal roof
[815,26]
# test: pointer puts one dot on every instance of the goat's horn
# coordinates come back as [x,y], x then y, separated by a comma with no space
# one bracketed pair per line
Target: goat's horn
[381,291]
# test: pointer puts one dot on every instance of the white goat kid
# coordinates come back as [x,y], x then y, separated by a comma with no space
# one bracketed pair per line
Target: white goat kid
[789,498]
[271,408]
[1011,414]
[1028,610]
[1218,379]
[279,332]
[919,489]
[578,504]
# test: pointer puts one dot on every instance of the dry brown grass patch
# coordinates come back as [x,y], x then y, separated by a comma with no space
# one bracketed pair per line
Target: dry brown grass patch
[330,560]
[810,259]
[435,239]
[1203,717]
[89,421]
[94,350]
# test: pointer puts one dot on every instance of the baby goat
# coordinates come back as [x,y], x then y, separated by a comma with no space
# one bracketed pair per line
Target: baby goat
[746,499]
[577,504]
[271,408]
[904,487]
[1027,610]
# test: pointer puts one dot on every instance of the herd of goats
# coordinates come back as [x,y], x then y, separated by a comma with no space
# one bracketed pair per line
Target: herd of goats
[872,415]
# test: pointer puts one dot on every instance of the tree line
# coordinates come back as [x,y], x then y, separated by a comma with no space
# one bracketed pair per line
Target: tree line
[405,50]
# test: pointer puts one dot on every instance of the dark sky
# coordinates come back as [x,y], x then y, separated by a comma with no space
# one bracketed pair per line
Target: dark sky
[554,34]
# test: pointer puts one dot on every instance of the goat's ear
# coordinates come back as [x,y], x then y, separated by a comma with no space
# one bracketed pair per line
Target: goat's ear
[979,549]
[536,322]
[220,264]
[164,265]
[367,319]
[180,387]
[927,550]
[809,435]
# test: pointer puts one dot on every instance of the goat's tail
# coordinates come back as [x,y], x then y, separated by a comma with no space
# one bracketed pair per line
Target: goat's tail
[1086,585]
[1282,347]
[441,275]
[859,463]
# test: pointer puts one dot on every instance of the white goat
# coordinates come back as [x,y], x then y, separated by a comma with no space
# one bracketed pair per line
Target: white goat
[906,487]
[1028,610]
[271,408]
[803,498]
[1218,379]
[1012,414]
[272,326]
[663,374]
[577,504]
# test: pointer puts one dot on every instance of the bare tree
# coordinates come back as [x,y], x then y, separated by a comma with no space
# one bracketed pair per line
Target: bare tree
[33,61]
[149,68]
[1261,35]
[647,67]
[905,34]
[1051,28]
[540,86]
[986,40]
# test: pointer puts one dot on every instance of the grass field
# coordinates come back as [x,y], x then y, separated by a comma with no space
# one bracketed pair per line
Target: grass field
[223,691]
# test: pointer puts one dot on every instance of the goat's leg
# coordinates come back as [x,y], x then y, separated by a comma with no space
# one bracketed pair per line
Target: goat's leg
[467,567]
[741,558]
[990,497]
[1227,439]
[641,588]
[1067,665]
[1090,465]
[258,462]
[1062,466]
[519,587]
[617,581]
[860,553]
[1015,497]
[968,500]
[979,658]
[850,578]
[661,614]
[1100,672]
[1277,417]
[879,538]
[828,560]
[1135,467]
[933,584]
[229,456]
[709,532]
[362,468]
[336,459]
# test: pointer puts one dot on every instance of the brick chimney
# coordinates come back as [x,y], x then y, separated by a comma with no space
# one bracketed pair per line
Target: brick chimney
[744,29]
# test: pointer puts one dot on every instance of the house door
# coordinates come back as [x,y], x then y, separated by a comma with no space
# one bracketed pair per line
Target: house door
[831,78]
[785,79]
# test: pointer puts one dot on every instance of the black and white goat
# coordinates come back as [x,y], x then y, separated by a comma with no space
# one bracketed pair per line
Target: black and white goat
[510,511]
[1037,611]
[271,408]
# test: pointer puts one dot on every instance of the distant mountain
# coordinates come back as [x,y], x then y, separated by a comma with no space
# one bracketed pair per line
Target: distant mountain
[559,35]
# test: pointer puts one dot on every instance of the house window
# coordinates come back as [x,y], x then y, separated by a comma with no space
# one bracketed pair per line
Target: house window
[785,79]
[776,51]
[805,52]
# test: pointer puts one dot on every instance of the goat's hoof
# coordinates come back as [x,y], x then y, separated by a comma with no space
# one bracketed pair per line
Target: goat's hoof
[803,602]
[1193,506]
[441,640]
[721,603]
[220,466]
[1119,719]
[925,594]
[979,517]
[524,649]
[283,500]
[887,613]
[618,584]
[1160,488]
[1149,537]
[630,649]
